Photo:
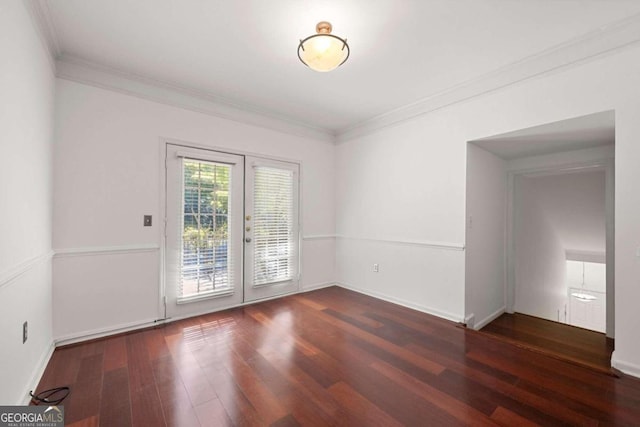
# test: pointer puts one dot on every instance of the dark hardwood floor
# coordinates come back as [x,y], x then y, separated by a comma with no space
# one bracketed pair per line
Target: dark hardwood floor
[577,345]
[329,357]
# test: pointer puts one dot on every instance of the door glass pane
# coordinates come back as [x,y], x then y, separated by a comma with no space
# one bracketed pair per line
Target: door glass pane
[273,225]
[205,265]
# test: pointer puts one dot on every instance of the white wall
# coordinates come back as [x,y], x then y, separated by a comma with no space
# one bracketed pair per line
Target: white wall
[539,256]
[485,290]
[604,156]
[27,88]
[108,175]
[400,203]
[553,215]
[407,181]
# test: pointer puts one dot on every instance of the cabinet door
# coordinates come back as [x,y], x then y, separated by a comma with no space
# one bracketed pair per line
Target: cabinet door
[595,276]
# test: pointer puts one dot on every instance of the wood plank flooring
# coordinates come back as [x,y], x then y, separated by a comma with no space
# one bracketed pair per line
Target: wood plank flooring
[577,345]
[328,357]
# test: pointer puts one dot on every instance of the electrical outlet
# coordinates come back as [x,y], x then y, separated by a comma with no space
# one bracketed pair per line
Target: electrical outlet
[25,332]
[147,220]
[376,268]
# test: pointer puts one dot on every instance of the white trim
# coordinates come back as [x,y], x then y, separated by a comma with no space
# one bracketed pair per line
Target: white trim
[423,243]
[177,95]
[316,286]
[143,324]
[106,250]
[9,276]
[41,18]
[615,36]
[319,237]
[580,160]
[585,256]
[188,145]
[162,229]
[104,332]
[606,39]
[470,320]
[490,318]
[227,307]
[429,310]
[626,367]
[216,158]
[205,296]
[38,371]
[511,203]
[610,246]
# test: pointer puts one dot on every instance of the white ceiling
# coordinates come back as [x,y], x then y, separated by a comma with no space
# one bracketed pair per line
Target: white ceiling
[243,52]
[593,130]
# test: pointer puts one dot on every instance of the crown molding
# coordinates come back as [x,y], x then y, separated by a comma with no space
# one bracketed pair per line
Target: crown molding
[177,95]
[606,39]
[166,92]
[41,17]
[590,46]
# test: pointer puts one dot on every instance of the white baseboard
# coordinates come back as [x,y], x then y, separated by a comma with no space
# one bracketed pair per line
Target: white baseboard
[103,332]
[316,286]
[626,367]
[404,303]
[470,321]
[490,318]
[37,374]
[128,327]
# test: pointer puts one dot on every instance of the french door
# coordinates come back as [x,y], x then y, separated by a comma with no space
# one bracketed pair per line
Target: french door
[231,232]
[271,228]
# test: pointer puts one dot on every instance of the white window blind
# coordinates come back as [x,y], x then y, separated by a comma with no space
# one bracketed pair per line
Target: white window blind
[274,225]
[205,258]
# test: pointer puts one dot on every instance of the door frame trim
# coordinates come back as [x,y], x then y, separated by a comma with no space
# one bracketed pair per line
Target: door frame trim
[162,210]
[608,165]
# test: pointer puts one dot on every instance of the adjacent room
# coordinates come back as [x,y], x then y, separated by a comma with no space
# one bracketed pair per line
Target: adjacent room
[320,213]
[553,197]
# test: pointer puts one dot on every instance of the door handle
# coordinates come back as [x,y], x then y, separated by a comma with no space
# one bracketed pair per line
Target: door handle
[248,240]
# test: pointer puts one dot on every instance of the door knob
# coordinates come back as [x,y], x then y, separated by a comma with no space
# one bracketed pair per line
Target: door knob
[248,240]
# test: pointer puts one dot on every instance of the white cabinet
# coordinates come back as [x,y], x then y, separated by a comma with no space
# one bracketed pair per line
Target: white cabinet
[575,274]
[586,285]
[595,276]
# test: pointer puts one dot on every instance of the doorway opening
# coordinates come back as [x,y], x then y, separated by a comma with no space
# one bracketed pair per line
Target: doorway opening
[540,230]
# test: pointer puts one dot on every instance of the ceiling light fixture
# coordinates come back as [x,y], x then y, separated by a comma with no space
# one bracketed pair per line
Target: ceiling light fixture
[323,51]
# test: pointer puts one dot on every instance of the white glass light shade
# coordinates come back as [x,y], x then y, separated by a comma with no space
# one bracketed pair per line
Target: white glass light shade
[323,51]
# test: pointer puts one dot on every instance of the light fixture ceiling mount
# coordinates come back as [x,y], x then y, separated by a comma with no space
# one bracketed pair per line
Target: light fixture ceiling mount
[323,51]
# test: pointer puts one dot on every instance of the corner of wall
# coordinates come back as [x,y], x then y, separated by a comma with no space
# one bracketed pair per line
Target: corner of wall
[626,367]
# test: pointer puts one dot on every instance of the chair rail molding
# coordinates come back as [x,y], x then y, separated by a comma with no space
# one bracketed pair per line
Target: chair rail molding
[319,237]
[423,243]
[106,250]
[10,275]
